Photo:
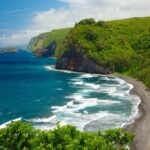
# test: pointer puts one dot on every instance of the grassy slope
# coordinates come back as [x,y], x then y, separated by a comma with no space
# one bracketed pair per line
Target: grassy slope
[124,45]
[45,39]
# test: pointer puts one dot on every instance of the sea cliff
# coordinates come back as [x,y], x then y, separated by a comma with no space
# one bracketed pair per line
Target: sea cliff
[75,61]
[105,47]
[46,44]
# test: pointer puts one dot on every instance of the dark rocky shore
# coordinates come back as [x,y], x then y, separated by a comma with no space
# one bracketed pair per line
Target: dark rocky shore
[74,61]
[140,128]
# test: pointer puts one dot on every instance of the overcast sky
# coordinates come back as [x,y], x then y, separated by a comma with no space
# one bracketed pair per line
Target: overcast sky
[20,20]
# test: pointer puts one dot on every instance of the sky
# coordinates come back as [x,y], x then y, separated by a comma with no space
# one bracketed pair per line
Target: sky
[20,20]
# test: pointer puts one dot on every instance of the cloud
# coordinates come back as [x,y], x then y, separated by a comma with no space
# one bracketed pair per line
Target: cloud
[18,38]
[79,9]
[98,9]
[74,1]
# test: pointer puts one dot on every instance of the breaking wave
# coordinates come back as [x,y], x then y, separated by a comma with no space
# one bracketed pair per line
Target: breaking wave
[92,102]
[99,102]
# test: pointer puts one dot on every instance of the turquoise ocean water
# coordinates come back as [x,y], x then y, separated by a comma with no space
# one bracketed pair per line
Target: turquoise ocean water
[32,90]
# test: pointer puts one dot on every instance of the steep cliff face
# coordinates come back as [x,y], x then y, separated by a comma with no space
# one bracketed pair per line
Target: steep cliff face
[37,42]
[48,51]
[74,61]
[39,49]
[123,45]
[46,44]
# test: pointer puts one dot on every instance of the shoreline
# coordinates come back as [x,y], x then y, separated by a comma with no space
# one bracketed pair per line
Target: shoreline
[140,127]
[122,77]
[140,123]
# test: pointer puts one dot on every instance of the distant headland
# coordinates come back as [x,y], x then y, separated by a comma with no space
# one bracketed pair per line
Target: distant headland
[8,50]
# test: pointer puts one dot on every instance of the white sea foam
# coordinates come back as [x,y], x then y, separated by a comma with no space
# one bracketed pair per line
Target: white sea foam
[76,111]
[117,90]
[130,87]
[58,108]
[79,98]
[70,104]
[80,121]
[76,79]
[79,103]
[45,127]
[135,111]
[86,91]
[59,89]
[79,83]
[9,122]
[38,120]
[52,68]
[53,58]
[75,96]
[105,78]
[118,80]
[86,76]
[92,85]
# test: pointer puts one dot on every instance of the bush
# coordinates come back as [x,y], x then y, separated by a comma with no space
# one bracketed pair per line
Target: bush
[89,21]
[102,24]
[21,136]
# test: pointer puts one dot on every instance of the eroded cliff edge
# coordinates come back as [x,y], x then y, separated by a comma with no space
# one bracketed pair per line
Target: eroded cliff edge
[104,47]
[46,44]
[75,61]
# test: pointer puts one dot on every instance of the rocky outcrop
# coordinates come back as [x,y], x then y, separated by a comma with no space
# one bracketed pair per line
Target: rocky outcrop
[37,42]
[74,61]
[39,49]
[46,52]
[46,44]
[8,50]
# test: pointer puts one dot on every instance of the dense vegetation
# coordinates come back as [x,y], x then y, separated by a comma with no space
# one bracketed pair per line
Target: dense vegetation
[21,136]
[44,40]
[122,45]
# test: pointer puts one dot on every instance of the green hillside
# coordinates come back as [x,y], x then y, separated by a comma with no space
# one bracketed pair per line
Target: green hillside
[44,40]
[122,45]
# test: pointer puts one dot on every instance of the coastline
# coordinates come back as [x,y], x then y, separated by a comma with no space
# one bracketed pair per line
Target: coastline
[140,127]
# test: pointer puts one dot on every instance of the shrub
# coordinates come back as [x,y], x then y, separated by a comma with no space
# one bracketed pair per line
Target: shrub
[21,136]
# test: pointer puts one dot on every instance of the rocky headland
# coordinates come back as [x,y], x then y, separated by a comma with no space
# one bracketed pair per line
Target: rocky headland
[75,61]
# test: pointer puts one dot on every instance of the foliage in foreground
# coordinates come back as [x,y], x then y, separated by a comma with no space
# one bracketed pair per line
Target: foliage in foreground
[22,136]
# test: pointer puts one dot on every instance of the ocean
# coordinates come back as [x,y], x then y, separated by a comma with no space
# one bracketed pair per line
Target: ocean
[31,90]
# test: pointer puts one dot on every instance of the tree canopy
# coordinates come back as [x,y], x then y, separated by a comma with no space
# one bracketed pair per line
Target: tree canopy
[22,136]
